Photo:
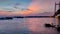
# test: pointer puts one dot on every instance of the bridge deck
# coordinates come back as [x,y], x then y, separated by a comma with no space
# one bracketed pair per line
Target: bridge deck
[39,16]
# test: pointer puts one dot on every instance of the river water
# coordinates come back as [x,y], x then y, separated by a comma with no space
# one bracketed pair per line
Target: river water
[27,26]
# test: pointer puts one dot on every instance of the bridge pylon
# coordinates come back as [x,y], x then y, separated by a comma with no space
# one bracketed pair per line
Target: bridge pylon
[57,16]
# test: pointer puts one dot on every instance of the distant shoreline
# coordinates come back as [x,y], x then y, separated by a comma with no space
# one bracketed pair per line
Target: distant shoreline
[7,18]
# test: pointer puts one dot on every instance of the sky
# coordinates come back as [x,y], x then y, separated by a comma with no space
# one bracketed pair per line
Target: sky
[26,7]
[11,4]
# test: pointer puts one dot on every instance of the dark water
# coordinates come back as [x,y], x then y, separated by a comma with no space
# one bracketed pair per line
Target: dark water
[27,26]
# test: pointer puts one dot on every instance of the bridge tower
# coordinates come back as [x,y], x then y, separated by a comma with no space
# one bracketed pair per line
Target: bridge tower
[57,16]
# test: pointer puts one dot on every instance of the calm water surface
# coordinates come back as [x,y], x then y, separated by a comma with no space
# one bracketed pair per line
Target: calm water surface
[27,26]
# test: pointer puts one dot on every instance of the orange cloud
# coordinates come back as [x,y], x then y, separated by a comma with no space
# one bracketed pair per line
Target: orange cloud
[26,12]
[33,8]
[5,13]
[9,13]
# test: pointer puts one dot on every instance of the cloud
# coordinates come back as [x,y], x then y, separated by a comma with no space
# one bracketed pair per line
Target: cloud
[38,6]
[42,5]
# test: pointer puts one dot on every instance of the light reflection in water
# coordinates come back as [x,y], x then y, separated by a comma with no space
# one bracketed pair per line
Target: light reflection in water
[34,25]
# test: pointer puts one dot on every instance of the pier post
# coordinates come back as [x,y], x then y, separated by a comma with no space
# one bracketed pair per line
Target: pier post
[58,21]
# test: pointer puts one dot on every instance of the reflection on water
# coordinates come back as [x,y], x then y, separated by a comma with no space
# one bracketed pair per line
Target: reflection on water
[26,26]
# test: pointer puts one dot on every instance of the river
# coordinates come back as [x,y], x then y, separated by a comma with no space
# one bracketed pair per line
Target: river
[27,26]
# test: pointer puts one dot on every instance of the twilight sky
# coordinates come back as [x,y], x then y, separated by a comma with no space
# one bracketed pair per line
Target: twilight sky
[26,7]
